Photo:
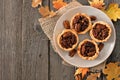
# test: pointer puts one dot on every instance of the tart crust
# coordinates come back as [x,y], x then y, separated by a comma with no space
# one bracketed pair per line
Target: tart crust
[109,32]
[88,57]
[74,45]
[89,22]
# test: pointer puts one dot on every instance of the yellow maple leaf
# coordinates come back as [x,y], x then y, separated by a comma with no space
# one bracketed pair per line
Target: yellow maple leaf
[97,3]
[44,11]
[112,70]
[57,4]
[113,11]
[35,3]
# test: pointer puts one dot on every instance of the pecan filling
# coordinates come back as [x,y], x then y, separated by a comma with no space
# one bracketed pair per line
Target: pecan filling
[80,23]
[88,49]
[67,40]
[100,31]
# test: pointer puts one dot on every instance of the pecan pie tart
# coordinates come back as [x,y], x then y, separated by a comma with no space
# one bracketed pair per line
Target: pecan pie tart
[67,40]
[88,49]
[81,23]
[100,31]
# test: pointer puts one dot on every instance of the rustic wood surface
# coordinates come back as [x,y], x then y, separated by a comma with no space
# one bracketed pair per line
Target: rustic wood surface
[26,52]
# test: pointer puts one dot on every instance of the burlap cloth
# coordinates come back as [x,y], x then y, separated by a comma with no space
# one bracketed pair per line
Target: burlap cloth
[48,23]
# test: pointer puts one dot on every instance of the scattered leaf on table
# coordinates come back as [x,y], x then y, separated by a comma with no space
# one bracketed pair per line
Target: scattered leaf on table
[57,4]
[82,71]
[93,76]
[44,11]
[112,70]
[97,3]
[35,3]
[78,77]
[113,11]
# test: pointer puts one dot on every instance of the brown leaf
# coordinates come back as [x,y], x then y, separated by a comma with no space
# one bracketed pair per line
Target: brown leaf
[35,3]
[97,3]
[93,76]
[78,77]
[44,11]
[112,70]
[58,4]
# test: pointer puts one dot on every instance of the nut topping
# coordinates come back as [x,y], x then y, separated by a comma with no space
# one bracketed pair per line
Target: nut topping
[100,31]
[66,24]
[72,52]
[93,18]
[80,23]
[88,49]
[100,45]
[67,40]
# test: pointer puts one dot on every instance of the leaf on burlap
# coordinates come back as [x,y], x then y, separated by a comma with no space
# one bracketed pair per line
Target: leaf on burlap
[112,71]
[82,71]
[57,4]
[44,11]
[35,3]
[113,11]
[97,3]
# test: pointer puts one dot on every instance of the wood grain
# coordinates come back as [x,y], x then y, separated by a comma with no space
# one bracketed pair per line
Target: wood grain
[10,39]
[1,35]
[34,47]
[59,71]
[115,56]
[26,52]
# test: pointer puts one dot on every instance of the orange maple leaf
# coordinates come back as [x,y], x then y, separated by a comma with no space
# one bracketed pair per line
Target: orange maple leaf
[44,11]
[35,3]
[82,71]
[97,3]
[58,4]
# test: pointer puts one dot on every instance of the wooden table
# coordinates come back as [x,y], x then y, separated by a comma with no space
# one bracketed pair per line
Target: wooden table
[26,54]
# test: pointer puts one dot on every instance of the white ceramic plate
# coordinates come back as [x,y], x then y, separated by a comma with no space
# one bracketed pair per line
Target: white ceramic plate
[76,60]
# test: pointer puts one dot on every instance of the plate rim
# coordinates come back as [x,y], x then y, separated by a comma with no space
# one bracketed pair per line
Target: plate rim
[54,40]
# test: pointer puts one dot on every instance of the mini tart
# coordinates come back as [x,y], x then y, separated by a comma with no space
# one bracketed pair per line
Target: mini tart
[88,49]
[100,31]
[67,40]
[81,23]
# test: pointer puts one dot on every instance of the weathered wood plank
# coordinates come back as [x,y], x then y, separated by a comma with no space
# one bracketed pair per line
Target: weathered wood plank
[34,48]
[1,39]
[115,56]
[59,71]
[10,39]
[84,2]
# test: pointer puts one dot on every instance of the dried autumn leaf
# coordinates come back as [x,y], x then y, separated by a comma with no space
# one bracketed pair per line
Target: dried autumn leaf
[78,77]
[97,3]
[58,4]
[44,11]
[35,3]
[82,71]
[93,76]
[112,70]
[113,11]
